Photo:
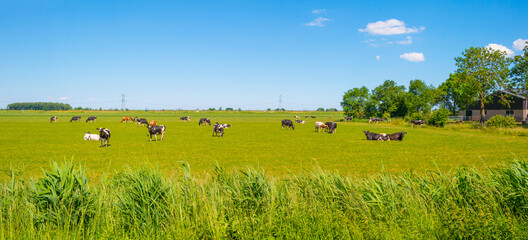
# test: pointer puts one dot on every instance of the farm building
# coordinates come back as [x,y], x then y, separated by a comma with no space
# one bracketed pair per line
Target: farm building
[518,107]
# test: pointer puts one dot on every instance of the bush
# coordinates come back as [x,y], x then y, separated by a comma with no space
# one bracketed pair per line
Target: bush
[500,121]
[439,117]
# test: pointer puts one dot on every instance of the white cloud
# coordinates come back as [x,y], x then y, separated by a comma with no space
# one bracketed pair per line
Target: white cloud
[378,57]
[519,44]
[318,22]
[390,27]
[408,41]
[317,11]
[413,57]
[494,46]
[92,99]
[64,98]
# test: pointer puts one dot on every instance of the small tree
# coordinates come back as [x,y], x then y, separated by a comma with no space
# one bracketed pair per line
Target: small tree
[439,117]
[320,110]
[355,101]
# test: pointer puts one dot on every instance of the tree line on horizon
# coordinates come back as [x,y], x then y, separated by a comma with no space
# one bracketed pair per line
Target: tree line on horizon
[46,106]
[481,74]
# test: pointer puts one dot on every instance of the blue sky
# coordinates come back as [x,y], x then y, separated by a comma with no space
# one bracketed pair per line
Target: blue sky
[240,54]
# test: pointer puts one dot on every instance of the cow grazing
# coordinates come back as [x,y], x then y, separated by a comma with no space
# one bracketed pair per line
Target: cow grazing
[312,116]
[136,119]
[376,136]
[156,130]
[153,123]
[300,121]
[54,119]
[417,122]
[186,119]
[348,119]
[142,121]
[75,119]
[204,121]
[375,119]
[226,125]
[332,126]
[218,129]
[319,126]
[104,136]
[91,119]
[126,119]
[90,136]
[396,136]
[288,123]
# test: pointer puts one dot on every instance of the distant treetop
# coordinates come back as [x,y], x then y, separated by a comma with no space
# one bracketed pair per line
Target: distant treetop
[46,106]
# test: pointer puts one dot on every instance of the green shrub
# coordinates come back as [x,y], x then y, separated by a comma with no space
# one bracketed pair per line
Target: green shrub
[62,196]
[500,121]
[439,117]
[416,116]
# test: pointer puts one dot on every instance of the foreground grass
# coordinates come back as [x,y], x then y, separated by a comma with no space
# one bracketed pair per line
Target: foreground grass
[29,142]
[143,203]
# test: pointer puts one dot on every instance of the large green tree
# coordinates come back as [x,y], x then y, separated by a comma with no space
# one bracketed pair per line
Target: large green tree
[454,95]
[354,102]
[519,71]
[486,71]
[419,98]
[388,97]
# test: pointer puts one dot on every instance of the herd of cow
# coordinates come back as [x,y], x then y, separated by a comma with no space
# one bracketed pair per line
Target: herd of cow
[218,128]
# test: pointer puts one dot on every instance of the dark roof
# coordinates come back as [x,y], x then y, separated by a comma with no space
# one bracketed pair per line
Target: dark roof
[516,99]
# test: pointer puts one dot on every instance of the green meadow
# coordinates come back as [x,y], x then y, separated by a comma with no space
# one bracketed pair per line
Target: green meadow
[258,181]
[30,142]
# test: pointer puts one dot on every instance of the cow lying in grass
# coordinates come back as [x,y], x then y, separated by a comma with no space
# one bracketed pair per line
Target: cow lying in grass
[396,136]
[90,136]
[288,123]
[417,122]
[376,136]
[156,130]
[54,119]
[104,136]
[300,121]
[348,119]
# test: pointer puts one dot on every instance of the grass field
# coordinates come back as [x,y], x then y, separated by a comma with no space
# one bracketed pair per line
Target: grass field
[30,142]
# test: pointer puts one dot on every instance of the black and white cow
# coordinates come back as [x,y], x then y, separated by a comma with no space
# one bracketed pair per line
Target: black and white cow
[186,119]
[331,127]
[156,130]
[375,119]
[204,121]
[288,123]
[348,119]
[75,119]
[396,136]
[219,129]
[312,116]
[417,122]
[142,121]
[91,119]
[300,121]
[54,119]
[376,136]
[104,136]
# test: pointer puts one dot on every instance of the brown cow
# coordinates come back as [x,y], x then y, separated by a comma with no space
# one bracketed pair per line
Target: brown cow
[126,119]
